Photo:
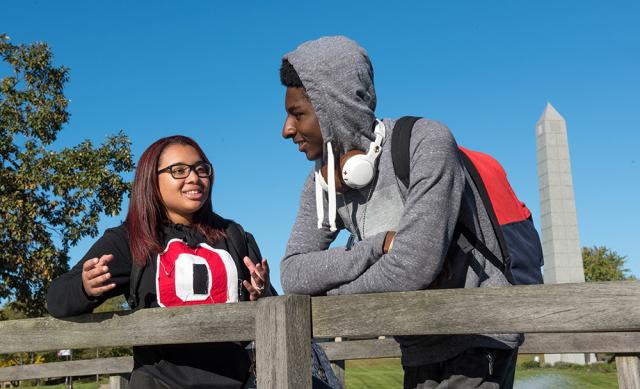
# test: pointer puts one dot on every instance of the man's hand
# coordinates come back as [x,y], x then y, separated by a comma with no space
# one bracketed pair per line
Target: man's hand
[95,275]
[259,285]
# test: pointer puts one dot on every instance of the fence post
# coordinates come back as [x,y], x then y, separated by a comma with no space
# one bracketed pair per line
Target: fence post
[118,382]
[628,366]
[339,366]
[283,342]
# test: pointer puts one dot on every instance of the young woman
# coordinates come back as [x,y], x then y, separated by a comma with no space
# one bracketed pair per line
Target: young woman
[172,250]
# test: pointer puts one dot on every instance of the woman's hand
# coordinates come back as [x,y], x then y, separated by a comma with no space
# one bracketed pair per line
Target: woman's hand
[259,285]
[95,275]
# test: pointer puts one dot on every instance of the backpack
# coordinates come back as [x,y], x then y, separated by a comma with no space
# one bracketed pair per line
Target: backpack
[511,220]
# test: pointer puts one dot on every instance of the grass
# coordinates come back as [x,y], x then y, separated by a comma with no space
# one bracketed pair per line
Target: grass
[567,378]
[387,374]
[374,373]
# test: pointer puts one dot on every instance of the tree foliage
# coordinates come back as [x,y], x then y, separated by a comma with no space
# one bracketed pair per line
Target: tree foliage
[49,199]
[603,264]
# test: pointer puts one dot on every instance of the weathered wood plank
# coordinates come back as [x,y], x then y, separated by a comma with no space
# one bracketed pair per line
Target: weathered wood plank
[581,307]
[118,382]
[628,367]
[338,366]
[361,349]
[600,342]
[603,342]
[283,342]
[590,342]
[67,369]
[338,369]
[193,324]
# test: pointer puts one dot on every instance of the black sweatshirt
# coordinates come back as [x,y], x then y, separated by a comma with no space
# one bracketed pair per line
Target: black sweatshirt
[189,271]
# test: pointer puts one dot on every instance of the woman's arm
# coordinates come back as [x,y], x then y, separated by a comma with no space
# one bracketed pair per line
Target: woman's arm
[67,295]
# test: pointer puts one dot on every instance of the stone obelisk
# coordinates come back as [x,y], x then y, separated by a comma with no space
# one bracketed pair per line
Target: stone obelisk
[560,239]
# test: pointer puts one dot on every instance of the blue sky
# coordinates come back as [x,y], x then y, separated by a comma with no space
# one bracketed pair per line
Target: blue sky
[210,70]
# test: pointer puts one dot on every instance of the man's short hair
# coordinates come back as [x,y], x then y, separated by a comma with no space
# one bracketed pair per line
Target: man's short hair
[288,75]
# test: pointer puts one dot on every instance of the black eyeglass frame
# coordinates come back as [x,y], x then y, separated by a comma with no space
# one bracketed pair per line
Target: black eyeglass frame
[189,168]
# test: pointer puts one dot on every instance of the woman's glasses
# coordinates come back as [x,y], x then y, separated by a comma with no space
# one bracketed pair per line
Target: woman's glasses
[182,170]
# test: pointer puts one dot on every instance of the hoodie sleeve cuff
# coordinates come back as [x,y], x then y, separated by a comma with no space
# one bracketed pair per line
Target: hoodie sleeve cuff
[378,244]
[85,298]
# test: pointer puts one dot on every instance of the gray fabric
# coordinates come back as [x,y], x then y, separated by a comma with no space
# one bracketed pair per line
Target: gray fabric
[424,215]
[338,77]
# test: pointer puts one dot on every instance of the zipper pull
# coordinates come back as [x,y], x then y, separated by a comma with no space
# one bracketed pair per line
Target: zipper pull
[240,291]
[490,359]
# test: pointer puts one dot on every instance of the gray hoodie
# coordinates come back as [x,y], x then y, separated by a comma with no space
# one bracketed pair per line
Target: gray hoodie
[338,77]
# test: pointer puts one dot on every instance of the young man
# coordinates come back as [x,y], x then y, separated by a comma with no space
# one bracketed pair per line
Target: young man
[404,236]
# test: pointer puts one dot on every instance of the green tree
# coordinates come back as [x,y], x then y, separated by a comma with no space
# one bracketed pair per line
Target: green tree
[49,199]
[603,264]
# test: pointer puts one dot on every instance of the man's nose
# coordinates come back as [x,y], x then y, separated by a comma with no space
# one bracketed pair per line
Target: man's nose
[288,130]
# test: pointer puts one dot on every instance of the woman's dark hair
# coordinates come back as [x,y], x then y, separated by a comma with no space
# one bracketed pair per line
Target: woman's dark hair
[147,214]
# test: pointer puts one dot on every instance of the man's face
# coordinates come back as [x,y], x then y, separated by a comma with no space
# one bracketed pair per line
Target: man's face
[302,124]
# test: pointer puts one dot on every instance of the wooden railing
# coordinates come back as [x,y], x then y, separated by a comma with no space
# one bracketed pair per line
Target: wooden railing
[594,317]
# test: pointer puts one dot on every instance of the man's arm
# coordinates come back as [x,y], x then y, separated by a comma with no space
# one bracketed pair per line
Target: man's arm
[309,266]
[428,220]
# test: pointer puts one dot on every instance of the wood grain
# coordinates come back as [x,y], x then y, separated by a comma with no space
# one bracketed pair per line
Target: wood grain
[628,371]
[283,342]
[67,369]
[597,342]
[193,324]
[585,307]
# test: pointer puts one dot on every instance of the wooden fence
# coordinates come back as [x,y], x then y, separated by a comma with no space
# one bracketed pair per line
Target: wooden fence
[594,317]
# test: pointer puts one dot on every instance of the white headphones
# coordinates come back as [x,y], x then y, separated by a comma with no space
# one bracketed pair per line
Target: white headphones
[358,170]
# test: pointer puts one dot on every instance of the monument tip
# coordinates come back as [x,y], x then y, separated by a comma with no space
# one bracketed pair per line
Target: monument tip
[550,114]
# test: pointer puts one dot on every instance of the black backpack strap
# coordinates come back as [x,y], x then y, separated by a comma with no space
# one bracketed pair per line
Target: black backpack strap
[505,264]
[244,244]
[237,242]
[400,140]
[237,239]
[254,253]
[134,282]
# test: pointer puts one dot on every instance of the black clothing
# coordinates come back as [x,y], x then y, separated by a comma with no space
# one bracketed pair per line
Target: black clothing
[212,273]
[484,368]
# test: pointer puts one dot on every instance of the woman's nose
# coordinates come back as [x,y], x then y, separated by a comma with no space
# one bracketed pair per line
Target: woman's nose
[192,177]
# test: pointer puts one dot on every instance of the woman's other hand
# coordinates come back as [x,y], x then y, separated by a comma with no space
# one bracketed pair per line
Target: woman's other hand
[95,275]
[259,285]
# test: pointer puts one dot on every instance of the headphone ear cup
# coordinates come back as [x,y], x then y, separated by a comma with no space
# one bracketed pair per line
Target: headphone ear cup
[357,171]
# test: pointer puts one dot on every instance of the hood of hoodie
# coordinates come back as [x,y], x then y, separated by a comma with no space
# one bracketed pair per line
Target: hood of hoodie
[338,77]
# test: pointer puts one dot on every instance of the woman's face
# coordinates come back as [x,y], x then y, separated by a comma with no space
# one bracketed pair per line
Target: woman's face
[182,197]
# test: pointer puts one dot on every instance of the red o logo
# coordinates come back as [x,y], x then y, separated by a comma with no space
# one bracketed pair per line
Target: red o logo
[202,275]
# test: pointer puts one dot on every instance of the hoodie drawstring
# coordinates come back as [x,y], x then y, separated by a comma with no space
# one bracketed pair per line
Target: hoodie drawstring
[331,184]
[319,202]
[331,176]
